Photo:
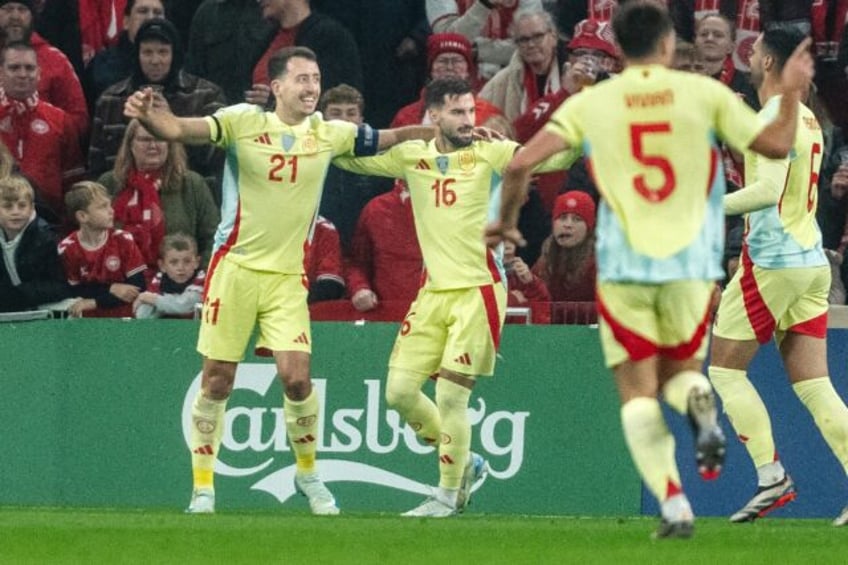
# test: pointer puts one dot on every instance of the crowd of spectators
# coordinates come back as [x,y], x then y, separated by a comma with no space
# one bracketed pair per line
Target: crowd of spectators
[145,228]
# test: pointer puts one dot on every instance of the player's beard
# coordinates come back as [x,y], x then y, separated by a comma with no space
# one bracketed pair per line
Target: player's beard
[457,140]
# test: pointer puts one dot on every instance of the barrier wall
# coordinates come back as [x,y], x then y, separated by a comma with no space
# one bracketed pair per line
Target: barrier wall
[95,414]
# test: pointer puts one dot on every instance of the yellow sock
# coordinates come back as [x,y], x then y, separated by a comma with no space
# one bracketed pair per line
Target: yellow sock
[207,429]
[746,412]
[403,393]
[676,390]
[302,429]
[452,401]
[651,446]
[829,412]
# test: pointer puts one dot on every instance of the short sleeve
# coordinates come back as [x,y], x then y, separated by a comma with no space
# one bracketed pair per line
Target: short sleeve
[735,122]
[565,122]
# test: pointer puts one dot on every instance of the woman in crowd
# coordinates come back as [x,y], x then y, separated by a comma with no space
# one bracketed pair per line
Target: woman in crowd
[156,194]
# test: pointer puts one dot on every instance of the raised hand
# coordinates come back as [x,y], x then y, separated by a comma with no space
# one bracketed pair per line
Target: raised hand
[139,104]
[496,233]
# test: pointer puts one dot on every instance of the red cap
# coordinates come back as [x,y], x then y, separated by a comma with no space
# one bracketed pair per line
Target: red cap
[592,34]
[439,43]
[576,202]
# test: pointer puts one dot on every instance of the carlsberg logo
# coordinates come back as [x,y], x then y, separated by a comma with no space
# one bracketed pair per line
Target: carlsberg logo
[255,443]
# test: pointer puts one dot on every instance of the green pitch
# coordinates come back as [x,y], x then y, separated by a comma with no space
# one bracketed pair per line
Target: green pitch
[148,537]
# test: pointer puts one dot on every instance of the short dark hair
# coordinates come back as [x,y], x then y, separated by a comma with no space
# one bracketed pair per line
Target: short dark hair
[16,46]
[639,26]
[342,94]
[279,61]
[434,95]
[131,4]
[780,43]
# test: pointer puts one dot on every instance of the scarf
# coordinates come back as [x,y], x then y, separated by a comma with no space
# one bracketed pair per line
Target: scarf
[139,211]
[19,111]
[828,18]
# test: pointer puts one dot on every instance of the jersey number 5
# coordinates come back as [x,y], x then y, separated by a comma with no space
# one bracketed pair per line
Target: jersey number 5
[637,135]
[278,163]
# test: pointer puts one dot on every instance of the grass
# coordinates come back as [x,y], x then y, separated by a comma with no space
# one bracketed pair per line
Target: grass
[98,536]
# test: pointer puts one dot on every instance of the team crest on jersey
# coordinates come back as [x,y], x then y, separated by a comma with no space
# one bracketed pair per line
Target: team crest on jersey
[442,163]
[39,126]
[466,160]
[309,144]
[113,263]
[288,141]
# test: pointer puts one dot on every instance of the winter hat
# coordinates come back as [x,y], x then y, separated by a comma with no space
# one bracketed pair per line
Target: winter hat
[439,43]
[592,34]
[27,3]
[576,202]
[158,28]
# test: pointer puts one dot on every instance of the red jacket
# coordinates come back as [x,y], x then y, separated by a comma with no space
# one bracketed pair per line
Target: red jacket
[385,256]
[45,145]
[533,291]
[324,254]
[59,84]
[413,114]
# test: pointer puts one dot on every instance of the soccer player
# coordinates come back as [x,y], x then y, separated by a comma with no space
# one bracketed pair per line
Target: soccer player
[779,290]
[660,231]
[453,327]
[276,163]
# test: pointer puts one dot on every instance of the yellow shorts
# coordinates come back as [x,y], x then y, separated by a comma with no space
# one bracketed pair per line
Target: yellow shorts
[639,321]
[459,330]
[757,302]
[236,298]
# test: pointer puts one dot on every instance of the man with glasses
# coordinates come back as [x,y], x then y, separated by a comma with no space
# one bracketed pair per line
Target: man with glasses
[535,72]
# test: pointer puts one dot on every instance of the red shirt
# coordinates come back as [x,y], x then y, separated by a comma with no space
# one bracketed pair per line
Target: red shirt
[324,255]
[385,256]
[59,84]
[284,38]
[45,145]
[113,262]
[413,114]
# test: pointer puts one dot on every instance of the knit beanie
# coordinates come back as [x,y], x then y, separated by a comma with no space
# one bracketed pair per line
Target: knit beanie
[576,202]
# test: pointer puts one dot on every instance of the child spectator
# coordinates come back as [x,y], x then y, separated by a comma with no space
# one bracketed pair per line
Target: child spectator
[567,264]
[524,287]
[178,286]
[30,273]
[102,264]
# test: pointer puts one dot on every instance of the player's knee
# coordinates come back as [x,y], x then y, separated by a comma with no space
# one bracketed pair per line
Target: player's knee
[451,396]
[218,383]
[402,388]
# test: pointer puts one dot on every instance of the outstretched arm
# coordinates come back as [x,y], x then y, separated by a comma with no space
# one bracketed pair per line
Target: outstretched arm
[515,181]
[162,123]
[390,137]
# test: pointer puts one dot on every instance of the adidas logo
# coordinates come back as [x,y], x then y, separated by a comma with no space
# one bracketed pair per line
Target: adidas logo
[204,450]
[264,139]
[422,165]
[446,459]
[464,359]
[308,438]
[302,339]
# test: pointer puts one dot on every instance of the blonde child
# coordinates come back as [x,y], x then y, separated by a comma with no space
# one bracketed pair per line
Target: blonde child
[102,264]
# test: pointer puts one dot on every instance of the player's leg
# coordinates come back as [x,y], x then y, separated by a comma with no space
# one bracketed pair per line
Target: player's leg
[207,429]
[688,392]
[685,312]
[284,330]
[403,393]
[652,445]
[633,357]
[804,352]
[747,318]
[227,321]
